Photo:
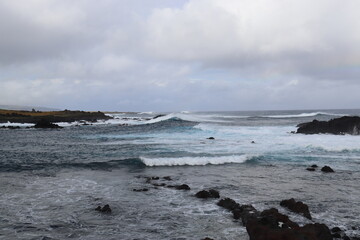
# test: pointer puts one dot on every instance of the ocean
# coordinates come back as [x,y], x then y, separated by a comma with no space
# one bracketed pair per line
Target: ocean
[52,180]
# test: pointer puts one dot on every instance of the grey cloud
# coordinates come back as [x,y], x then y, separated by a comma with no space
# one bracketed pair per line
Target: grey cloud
[180,55]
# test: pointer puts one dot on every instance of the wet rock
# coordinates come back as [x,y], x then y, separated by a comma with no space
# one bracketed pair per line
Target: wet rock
[168,178]
[267,228]
[211,138]
[314,166]
[228,203]
[140,190]
[297,207]
[327,169]
[284,220]
[252,141]
[338,126]
[311,169]
[43,123]
[245,212]
[208,194]
[105,209]
[207,238]
[180,187]
[336,235]
[336,229]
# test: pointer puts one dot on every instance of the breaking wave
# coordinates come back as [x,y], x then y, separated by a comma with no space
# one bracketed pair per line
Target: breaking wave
[301,115]
[195,161]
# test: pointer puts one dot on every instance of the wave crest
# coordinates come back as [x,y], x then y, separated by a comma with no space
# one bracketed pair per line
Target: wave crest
[300,115]
[195,161]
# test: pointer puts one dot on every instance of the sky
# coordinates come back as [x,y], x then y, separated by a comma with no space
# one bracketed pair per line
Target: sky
[177,55]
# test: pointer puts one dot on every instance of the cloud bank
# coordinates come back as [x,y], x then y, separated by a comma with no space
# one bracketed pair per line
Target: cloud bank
[176,55]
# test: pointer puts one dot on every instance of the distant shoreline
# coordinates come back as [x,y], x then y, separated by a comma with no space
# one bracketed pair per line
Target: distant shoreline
[19,116]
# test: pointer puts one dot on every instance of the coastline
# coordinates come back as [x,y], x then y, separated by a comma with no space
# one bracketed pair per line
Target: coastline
[16,116]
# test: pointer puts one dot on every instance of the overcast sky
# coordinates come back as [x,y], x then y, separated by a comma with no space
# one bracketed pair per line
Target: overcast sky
[173,55]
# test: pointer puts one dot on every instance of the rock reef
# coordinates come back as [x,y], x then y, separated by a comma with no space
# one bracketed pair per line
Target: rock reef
[55,116]
[337,126]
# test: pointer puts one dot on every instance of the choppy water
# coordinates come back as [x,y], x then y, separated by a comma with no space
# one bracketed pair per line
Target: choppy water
[52,180]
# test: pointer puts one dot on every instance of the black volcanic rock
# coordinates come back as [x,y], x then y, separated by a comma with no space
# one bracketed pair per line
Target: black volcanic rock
[43,123]
[338,126]
[228,203]
[327,169]
[297,207]
[105,209]
[208,194]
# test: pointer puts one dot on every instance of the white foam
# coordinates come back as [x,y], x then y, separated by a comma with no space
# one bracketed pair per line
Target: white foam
[193,161]
[148,113]
[185,117]
[11,124]
[312,114]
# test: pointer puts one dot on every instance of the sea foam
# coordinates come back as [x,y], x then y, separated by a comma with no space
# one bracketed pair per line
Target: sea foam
[194,161]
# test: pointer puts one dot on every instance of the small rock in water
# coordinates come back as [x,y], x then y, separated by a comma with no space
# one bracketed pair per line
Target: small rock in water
[211,138]
[311,169]
[314,166]
[208,194]
[327,169]
[105,209]
[182,187]
[140,190]
[297,207]
[252,141]
[168,178]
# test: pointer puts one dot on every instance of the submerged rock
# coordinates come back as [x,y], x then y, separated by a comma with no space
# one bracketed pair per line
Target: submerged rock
[105,209]
[140,190]
[338,126]
[180,187]
[208,194]
[327,169]
[168,178]
[297,207]
[311,169]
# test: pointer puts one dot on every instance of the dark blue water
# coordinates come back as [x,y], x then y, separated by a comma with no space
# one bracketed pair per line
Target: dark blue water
[51,180]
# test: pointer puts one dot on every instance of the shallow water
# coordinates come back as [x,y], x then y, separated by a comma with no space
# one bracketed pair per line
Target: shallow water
[52,180]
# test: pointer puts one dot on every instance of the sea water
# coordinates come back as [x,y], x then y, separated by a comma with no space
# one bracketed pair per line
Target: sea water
[52,180]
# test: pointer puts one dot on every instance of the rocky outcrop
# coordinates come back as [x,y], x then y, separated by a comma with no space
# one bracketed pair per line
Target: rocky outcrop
[208,194]
[105,209]
[43,123]
[54,116]
[272,225]
[327,169]
[297,207]
[338,126]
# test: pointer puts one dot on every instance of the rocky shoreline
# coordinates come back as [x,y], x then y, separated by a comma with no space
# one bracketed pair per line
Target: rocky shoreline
[268,224]
[13,116]
[337,126]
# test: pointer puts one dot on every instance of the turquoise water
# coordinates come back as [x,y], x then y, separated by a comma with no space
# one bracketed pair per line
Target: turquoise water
[53,179]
